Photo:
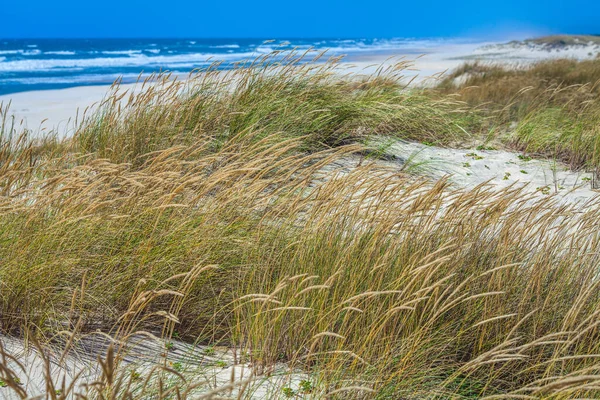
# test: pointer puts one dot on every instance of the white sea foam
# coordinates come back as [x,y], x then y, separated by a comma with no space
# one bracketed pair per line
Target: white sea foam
[61,53]
[138,60]
[416,45]
[226,46]
[121,52]
[361,45]
[264,49]
[23,52]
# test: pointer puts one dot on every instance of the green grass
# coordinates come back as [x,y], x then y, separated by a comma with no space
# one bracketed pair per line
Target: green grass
[281,101]
[550,108]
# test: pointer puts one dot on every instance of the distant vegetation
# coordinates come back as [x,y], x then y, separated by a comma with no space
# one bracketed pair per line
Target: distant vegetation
[239,209]
[554,41]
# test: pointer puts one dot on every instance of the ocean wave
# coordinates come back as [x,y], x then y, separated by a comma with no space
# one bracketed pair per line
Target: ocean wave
[163,58]
[139,60]
[346,46]
[77,79]
[61,53]
[121,52]
[264,49]
[355,45]
[226,46]
[22,52]
[67,63]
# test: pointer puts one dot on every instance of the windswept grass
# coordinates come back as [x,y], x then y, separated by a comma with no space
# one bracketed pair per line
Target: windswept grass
[284,99]
[234,210]
[550,108]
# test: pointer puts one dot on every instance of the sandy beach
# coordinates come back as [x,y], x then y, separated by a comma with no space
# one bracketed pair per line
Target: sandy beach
[45,110]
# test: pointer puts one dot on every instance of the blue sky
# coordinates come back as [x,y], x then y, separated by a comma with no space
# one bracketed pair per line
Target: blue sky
[291,18]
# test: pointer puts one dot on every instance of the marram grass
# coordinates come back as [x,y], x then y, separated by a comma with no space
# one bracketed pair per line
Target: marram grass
[549,109]
[235,210]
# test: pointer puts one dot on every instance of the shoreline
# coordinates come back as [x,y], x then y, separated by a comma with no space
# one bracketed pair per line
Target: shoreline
[56,110]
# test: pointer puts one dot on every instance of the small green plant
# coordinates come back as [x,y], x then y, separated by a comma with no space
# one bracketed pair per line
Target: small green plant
[221,364]
[135,376]
[169,346]
[306,386]
[483,147]
[178,366]
[523,171]
[288,392]
[210,351]
[58,392]
[474,156]
[15,380]
[524,158]
[427,143]
[586,179]
[544,189]
[506,176]
[466,165]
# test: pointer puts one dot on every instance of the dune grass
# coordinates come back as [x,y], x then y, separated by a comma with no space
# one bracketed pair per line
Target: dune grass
[236,210]
[280,99]
[550,108]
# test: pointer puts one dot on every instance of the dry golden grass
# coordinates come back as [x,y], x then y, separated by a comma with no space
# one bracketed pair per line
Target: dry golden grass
[201,214]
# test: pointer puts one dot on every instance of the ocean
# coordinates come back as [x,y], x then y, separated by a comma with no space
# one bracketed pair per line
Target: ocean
[40,64]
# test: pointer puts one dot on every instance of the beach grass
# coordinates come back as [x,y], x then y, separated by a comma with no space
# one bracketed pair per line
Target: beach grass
[549,109]
[239,210]
[280,99]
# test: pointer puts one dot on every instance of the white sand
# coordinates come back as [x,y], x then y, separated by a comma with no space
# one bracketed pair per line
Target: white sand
[209,367]
[425,64]
[470,168]
[54,110]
